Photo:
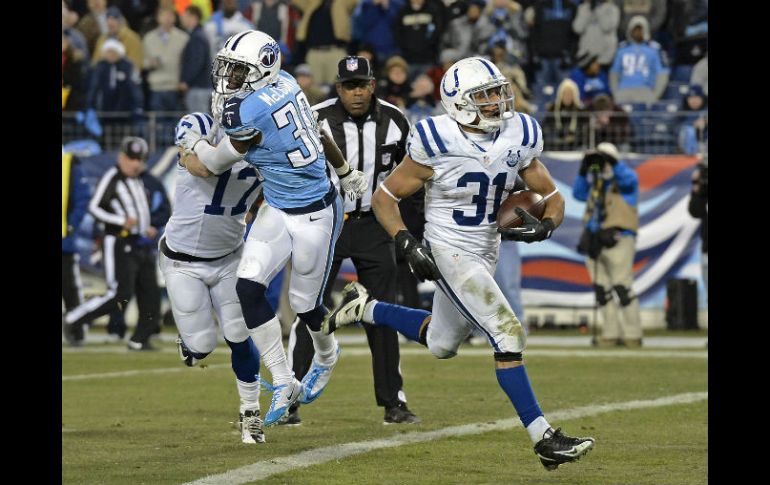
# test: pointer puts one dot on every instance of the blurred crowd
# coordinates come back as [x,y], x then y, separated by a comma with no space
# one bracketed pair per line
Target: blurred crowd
[623,70]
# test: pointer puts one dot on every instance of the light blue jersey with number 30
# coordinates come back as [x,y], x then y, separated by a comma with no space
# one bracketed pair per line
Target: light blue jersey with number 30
[290,155]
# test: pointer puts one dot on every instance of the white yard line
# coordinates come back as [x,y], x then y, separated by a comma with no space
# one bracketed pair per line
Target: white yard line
[132,373]
[358,352]
[281,464]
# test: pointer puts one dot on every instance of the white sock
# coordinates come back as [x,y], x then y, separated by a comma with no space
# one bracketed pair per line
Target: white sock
[369,312]
[325,348]
[537,429]
[249,394]
[267,338]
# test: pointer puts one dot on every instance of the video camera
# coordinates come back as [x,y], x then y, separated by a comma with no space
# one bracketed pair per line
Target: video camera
[594,161]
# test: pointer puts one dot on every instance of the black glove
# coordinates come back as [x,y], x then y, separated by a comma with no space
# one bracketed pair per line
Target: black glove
[532,230]
[418,257]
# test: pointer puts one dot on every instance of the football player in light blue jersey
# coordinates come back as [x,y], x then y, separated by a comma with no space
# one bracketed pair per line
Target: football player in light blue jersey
[268,123]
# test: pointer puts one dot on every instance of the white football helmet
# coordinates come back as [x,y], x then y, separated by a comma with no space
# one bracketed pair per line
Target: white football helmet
[195,126]
[471,85]
[248,61]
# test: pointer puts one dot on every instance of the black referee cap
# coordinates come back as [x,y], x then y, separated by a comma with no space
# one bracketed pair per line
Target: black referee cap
[354,67]
[134,147]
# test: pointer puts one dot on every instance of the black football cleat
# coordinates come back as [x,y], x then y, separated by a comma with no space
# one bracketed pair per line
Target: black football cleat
[400,415]
[557,448]
[350,310]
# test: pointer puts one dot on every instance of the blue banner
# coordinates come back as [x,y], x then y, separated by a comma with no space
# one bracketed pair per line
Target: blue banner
[667,245]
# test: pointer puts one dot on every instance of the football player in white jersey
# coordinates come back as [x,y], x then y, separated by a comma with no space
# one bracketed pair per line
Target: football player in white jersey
[268,123]
[199,255]
[467,159]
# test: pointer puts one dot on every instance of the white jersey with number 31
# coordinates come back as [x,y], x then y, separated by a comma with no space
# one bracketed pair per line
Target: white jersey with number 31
[470,178]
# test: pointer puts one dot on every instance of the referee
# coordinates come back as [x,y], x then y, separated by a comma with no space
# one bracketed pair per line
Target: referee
[120,203]
[372,135]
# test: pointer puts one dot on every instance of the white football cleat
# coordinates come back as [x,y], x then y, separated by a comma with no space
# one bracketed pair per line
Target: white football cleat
[251,426]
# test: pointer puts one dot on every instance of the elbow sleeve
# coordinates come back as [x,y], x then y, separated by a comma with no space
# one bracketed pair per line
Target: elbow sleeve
[219,158]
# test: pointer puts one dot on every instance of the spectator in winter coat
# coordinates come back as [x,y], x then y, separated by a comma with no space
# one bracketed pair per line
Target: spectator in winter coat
[589,77]
[373,22]
[114,83]
[596,22]
[638,73]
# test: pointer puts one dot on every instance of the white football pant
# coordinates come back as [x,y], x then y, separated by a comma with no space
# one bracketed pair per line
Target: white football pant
[468,296]
[195,289]
[307,238]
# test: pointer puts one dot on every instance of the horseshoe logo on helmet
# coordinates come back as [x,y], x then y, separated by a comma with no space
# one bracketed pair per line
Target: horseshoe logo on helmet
[457,85]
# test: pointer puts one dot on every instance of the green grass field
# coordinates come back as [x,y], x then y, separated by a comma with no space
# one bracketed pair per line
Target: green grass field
[167,424]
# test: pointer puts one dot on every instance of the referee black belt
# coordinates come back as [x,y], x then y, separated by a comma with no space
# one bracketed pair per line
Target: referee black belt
[358,214]
[316,206]
[187,257]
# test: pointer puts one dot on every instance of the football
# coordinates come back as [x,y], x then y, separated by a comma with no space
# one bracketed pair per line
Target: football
[528,200]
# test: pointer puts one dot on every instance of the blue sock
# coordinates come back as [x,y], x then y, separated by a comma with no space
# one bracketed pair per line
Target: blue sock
[404,320]
[245,359]
[515,383]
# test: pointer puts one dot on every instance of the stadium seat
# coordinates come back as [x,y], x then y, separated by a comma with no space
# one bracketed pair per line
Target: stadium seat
[673,90]
[681,73]
[634,107]
[665,106]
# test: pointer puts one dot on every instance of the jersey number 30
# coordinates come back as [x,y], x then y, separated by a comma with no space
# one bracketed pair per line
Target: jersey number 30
[304,130]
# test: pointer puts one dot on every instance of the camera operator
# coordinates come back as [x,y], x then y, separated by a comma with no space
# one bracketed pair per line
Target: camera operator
[611,190]
[699,208]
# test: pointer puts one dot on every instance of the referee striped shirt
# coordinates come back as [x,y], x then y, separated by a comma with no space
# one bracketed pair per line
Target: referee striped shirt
[117,198]
[375,144]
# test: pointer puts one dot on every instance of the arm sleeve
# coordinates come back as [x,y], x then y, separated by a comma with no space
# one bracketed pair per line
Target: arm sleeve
[94,206]
[609,17]
[626,178]
[614,83]
[219,158]
[580,188]
[240,117]
[538,148]
[418,147]
[580,22]
[616,67]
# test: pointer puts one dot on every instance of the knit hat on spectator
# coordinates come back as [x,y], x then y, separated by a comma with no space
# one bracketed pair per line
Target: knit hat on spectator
[586,59]
[696,90]
[134,147]
[114,44]
[303,70]
[114,12]
[608,149]
[396,61]
[354,67]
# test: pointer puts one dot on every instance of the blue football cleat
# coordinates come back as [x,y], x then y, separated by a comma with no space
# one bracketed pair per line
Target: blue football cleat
[314,382]
[283,397]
